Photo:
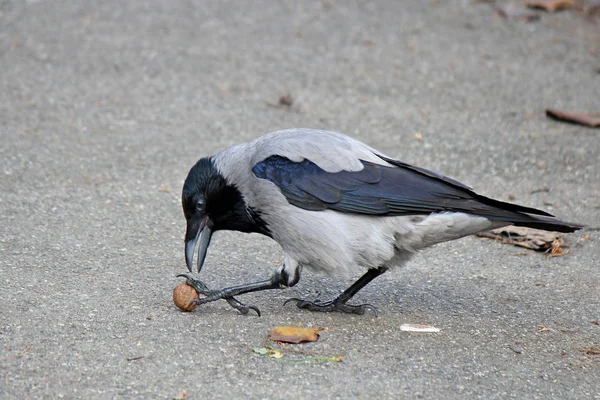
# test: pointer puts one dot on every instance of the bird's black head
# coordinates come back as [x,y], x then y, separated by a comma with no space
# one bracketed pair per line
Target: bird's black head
[211,203]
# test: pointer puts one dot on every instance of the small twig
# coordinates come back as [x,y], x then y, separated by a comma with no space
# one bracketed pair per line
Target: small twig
[545,189]
[135,358]
[25,351]
[515,350]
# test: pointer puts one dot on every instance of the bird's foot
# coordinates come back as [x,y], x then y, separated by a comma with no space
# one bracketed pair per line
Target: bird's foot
[332,305]
[214,295]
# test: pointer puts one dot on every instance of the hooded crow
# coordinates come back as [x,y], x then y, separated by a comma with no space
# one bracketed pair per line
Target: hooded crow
[333,204]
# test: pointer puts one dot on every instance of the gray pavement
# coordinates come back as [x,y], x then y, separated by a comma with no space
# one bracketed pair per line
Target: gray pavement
[104,106]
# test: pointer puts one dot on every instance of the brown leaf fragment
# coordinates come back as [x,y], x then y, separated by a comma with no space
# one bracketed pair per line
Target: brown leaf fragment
[556,249]
[542,328]
[541,164]
[551,5]
[286,100]
[592,7]
[183,395]
[574,117]
[510,11]
[294,334]
[529,238]
[592,350]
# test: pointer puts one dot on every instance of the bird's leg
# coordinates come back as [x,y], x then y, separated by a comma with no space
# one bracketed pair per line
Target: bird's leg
[279,280]
[340,302]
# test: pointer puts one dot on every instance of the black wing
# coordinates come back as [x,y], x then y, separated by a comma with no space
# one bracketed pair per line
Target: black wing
[390,191]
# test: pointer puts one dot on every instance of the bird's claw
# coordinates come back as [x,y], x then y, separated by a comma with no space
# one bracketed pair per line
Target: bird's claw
[241,307]
[196,284]
[213,295]
[332,305]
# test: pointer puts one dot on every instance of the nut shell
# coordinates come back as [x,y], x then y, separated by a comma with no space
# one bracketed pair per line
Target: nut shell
[183,294]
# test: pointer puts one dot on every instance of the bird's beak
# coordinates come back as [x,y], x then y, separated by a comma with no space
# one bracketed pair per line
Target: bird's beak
[197,229]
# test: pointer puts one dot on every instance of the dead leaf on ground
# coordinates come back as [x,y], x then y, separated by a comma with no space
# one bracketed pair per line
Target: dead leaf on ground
[551,5]
[533,239]
[592,350]
[574,117]
[592,7]
[510,11]
[285,102]
[294,334]
[183,395]
[419,328]
[542,328]
[269,351]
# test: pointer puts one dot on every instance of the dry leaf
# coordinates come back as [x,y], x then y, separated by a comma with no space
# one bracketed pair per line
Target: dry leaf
[183,395]
[551,5]
[286,100]
[593,350]
[269,351]
[542,328]
[419,328]
[592,7]
[511,11]
[294,334]
[574,117]
[529,238]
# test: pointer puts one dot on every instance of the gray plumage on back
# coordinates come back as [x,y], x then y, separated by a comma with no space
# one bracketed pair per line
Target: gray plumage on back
[336,205]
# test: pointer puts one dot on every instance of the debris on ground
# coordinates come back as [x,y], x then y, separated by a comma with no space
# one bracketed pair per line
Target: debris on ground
[268,351]
[295,354]
[183,395]
[510,11]
[285,102]
[294,334]
[580,118]
[551,5]
[591,350]
[551,243]
[419,328]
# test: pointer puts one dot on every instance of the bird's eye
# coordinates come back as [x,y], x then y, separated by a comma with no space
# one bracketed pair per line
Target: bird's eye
[200,204]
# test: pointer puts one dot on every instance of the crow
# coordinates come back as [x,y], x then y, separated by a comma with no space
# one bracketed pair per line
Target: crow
[335,205]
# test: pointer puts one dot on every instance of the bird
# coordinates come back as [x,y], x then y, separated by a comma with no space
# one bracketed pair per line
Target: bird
[334,205]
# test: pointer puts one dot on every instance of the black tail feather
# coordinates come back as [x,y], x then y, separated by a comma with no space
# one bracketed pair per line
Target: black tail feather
[547,224]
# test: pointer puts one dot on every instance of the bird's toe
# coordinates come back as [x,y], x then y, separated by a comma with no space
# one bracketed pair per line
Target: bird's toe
[332,306]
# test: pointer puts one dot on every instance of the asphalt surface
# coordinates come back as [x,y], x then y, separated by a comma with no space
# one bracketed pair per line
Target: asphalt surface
[104,107]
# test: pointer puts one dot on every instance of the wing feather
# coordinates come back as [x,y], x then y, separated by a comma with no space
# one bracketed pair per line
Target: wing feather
[393,189]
